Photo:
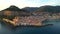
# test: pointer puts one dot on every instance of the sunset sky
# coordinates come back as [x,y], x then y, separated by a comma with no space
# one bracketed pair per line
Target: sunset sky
[27,3]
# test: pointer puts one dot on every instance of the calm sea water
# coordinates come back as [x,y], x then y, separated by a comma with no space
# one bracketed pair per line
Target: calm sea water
[54,29]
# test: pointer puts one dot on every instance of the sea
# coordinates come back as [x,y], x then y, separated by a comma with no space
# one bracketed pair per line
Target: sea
[50,29]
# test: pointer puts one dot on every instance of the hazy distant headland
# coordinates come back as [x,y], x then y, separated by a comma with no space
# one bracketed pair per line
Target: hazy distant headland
[31,14]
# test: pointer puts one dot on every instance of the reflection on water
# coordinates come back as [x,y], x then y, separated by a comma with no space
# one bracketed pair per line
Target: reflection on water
[55,29]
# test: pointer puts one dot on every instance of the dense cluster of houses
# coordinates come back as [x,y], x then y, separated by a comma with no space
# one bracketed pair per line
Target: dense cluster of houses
[23,17]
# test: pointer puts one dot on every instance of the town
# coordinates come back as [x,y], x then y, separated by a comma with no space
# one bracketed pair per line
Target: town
[16,16]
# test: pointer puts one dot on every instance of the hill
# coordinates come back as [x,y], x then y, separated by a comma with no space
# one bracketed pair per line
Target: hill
[50,9]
